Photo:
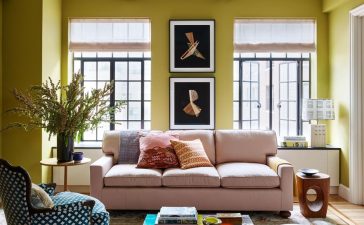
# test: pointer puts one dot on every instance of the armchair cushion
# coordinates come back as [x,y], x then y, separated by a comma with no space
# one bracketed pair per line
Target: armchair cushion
[39,198]
[99,213]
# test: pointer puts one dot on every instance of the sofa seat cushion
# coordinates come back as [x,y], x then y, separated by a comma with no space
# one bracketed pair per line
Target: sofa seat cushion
[127,175]
[247,175]
[193,177]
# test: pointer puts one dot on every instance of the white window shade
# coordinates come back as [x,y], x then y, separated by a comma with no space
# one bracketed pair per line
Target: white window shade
[269,35]
[109,35]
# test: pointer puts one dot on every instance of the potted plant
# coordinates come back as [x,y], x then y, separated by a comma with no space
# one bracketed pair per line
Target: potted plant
[66,111]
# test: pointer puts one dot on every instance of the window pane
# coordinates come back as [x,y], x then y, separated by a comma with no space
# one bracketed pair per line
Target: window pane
[89,86]
[246,71]
[283,95]
[147,91]
[122,126]
[135,125]
[147,70]
[305,90]
[89,135]
[254,71]
[236,91]
[134,110]
[121,70]
[135,71]
[255,111]
[121,91]
[101,85]
[306,71]
[292,128]
[254,125]
[122,114]
[292,71]
[284,111]
[278,55]
[246,91]
[147,110]
[262,55]
[101,129]
[104,55]
[135,54]
[236,125]
[236,110]
[292,90]
[147,125]
[283,128]
[89,71]
[246,111]
[236,70]
[120,54]
[76,66]
[89,54]
[135,91]
[293,110]
[283,72]
[254,91]
[103,70]
[246,125]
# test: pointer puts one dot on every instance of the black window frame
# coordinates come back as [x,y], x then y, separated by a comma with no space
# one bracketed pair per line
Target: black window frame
[113,60]
[239,57]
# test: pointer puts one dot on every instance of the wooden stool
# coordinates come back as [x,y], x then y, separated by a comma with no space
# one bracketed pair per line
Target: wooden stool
[320,183]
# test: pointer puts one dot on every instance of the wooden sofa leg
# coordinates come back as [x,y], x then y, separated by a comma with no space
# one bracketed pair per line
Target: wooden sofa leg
[285,214]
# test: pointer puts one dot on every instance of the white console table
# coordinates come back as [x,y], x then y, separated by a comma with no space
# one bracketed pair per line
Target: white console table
[325,159]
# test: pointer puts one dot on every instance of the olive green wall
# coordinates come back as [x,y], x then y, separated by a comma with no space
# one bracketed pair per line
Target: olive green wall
[224,12]
[31,45]
[339,45]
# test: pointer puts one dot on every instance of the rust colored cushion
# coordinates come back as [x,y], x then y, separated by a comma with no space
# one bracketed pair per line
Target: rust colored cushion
[191,154]
[156,151]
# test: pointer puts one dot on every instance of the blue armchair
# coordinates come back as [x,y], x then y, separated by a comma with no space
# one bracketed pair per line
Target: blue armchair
[69,207]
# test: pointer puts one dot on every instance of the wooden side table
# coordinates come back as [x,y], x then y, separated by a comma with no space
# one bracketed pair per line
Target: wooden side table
[52,162]
[319,182]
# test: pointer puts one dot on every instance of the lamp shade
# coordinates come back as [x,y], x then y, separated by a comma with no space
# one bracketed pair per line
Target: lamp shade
[318,109]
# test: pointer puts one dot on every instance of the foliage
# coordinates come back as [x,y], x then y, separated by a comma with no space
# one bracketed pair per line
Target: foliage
[67,110]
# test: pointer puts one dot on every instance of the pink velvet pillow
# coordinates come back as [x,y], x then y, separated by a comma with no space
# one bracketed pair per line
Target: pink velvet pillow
[156,151]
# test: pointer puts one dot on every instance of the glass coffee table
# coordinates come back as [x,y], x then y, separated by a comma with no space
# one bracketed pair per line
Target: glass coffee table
[151,218]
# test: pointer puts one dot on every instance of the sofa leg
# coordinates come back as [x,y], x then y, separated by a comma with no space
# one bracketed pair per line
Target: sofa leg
[285,214]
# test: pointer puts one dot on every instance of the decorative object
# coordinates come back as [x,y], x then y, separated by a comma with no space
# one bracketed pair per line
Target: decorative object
[39,198]
[15,192]
[192,103]
[191,154]
[318,109]
[308,172]
[54,162]
[66,111]
[77,156]
[156,151]
[211,220]
[192,46]
[320,183]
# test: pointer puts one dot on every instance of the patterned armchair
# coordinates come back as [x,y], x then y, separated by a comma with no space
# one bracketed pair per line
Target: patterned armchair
[69,207]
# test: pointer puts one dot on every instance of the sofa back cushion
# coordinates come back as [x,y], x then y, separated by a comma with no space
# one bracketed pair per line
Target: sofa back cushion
[206,137]
[244,146]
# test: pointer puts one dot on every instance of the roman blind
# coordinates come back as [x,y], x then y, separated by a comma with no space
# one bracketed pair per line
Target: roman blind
[274,35]
[109,35]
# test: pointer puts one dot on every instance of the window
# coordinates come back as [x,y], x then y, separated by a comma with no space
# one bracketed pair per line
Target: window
[117,51]
[269,86]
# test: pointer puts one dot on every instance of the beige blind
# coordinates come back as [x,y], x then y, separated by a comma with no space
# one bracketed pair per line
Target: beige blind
[274,35]
[109,35]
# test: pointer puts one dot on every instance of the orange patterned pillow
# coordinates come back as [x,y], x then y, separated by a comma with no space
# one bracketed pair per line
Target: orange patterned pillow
[191,154]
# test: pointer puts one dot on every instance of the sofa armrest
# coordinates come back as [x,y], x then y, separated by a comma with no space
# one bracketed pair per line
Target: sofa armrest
[285,171]
[98,169]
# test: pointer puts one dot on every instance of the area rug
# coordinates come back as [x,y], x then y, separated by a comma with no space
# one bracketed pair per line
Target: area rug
[258,218]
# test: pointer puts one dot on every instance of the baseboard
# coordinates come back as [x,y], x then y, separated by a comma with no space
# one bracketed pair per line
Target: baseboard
[334,190]
[344,192]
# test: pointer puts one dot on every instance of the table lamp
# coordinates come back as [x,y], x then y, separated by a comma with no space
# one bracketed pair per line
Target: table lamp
[318,109]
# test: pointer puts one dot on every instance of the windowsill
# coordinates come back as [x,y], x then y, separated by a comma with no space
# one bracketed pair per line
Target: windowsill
[86,145]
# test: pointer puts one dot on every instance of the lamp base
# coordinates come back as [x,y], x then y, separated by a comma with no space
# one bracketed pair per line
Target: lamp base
[318,135]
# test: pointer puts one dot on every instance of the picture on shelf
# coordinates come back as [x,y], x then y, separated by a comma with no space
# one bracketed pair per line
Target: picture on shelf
[192,45]
[192,103]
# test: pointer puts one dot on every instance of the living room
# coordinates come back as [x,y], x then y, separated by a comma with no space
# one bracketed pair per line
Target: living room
[246,66]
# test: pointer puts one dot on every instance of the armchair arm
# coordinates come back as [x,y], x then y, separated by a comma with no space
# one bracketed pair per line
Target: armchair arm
[97,173]
[285,171]
[48,188]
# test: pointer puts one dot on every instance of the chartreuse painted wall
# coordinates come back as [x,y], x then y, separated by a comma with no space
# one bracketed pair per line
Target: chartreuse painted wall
[339,63]
[31,46]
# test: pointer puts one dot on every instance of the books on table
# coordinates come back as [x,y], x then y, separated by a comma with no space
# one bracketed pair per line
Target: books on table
[177,215]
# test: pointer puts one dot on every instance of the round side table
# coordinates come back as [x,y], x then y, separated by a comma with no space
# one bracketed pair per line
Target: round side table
[52,162]
[319,182]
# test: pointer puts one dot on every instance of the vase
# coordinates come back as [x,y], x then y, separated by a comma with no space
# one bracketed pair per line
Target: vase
[64,147]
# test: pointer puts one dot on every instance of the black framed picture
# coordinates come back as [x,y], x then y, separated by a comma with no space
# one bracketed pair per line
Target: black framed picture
[192,46]
[192,103]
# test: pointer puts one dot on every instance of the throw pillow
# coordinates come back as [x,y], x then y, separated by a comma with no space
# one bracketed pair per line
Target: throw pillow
[191,154]
[129,147]
[156,151]
[39,198]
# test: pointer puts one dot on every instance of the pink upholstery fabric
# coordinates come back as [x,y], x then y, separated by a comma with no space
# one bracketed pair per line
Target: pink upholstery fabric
[193,177]
[206,137]
[244,146]
[111,144]
[247,175]
[127,175]
[98,171]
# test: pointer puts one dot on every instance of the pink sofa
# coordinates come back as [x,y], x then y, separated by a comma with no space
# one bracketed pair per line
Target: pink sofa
[247,176]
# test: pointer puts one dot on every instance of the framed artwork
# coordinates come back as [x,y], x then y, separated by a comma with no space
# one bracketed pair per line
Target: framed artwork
[192,46]
[191,103]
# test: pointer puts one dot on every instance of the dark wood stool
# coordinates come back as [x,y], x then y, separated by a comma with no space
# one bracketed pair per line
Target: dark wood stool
[319,182]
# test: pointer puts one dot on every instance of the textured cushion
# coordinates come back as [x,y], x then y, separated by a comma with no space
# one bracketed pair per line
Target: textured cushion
[206,137]
[99,213]
[127,175]
[39,198]
[247,175]
[191,154]
[129,147]
[244,146]
[111,144]
[194,177]
[156,151]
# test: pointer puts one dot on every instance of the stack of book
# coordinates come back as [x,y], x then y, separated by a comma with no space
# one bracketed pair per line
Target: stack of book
[230,218]
[294,142]
[177,215]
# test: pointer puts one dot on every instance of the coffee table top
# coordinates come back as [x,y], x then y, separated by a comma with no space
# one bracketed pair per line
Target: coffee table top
[151,218]
[54,162]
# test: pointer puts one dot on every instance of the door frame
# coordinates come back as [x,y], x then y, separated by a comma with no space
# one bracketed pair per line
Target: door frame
[356,152]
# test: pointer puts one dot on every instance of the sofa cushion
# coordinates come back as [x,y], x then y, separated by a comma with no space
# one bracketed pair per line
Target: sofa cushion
[244,146]
[194,177]
[247,175]
[127,175]
[206,137]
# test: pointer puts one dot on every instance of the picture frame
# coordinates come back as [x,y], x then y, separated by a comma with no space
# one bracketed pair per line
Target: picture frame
[192,103]
[192,46]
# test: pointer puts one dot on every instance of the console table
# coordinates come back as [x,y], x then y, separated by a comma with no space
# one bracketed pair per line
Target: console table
[326,159]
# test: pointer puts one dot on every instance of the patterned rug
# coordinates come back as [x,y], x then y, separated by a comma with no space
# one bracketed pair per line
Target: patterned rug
[258,218]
